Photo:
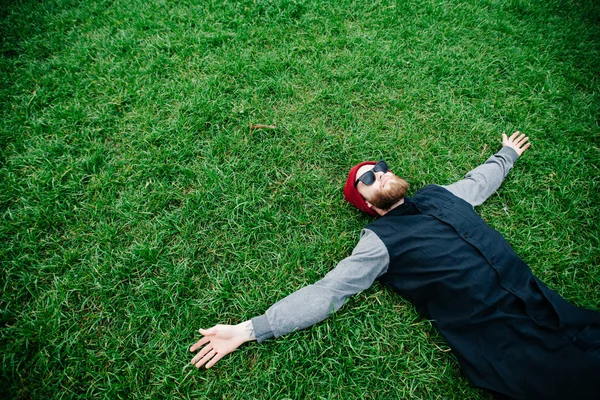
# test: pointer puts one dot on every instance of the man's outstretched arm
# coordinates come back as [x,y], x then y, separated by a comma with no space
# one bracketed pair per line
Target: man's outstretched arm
[483,181]
[303,308]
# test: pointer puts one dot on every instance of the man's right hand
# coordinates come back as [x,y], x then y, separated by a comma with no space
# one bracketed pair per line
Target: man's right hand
[219,341]
[517,141]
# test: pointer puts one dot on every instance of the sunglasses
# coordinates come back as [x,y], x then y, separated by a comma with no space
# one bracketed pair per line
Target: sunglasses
[368,178]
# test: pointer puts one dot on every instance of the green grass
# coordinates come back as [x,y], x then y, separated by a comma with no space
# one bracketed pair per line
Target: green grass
[137,207]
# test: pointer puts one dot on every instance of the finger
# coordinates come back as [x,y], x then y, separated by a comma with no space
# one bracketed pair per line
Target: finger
[206,358]
[522,140]
[205,350]
[504,138]
[214,360]
[210,331]
[199,343]
[514,135]
[518,137]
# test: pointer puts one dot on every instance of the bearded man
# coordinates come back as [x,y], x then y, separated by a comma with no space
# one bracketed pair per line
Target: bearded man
[510,333]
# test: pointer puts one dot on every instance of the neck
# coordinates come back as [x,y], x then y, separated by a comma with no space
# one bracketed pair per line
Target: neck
[383,212]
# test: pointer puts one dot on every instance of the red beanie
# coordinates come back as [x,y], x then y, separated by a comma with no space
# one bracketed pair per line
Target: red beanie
[351,193]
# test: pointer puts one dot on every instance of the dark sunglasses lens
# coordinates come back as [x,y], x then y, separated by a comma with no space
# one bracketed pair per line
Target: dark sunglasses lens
[381,166]
[368,178]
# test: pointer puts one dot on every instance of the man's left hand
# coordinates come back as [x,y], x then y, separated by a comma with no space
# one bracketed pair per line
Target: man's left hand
[517,141]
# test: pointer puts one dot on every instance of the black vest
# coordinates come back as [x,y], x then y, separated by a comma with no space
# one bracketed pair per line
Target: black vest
[465,277]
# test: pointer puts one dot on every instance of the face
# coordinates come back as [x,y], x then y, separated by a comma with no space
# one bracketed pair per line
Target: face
[386,191]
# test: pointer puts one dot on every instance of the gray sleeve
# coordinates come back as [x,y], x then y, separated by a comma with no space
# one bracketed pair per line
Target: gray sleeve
[316,302]
[483,181]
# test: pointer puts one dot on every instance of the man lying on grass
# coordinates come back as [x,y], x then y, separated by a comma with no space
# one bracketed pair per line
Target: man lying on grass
[511,334]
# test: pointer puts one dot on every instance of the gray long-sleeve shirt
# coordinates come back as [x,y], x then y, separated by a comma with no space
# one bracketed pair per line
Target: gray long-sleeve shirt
[368,261]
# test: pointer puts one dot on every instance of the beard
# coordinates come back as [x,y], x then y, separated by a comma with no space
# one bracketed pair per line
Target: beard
[395,192]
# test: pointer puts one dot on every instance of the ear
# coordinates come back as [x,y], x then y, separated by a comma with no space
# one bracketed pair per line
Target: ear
[377,210]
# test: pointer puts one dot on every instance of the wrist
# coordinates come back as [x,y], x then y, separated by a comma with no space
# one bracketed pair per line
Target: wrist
[246,331]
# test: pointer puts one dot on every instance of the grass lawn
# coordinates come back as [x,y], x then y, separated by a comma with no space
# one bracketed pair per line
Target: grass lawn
[137,206]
